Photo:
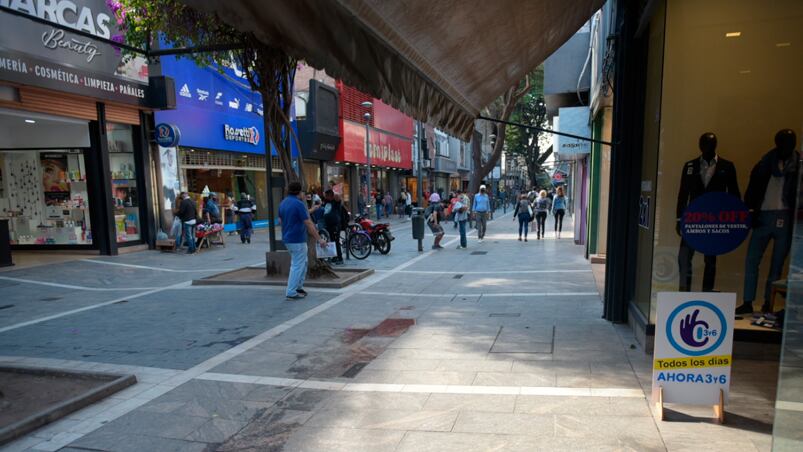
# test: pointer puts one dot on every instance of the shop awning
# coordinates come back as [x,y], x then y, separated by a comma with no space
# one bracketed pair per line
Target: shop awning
[439,61]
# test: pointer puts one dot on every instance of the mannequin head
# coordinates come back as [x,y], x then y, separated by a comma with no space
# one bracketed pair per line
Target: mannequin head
[785,142]
[708,145]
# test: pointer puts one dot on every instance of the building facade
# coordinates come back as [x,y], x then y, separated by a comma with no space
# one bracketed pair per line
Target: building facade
[390,143]
[223,140]
[75,123]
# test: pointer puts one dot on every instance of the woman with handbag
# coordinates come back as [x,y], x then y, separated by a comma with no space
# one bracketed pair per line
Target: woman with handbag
[524,213]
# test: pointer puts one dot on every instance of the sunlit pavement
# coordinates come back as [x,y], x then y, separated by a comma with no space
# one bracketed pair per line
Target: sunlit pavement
[496,347]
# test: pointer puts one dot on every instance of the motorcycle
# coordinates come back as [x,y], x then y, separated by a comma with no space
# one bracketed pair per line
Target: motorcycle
[378,233]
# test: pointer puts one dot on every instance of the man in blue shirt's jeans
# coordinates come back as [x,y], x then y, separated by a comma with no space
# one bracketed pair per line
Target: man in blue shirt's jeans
[482,206]
[296,223]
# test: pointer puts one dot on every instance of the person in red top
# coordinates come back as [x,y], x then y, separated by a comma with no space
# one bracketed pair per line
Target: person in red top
[453,197]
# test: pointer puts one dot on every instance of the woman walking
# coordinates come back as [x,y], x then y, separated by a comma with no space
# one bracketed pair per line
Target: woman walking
[559,210]
[523,213]
[542,205]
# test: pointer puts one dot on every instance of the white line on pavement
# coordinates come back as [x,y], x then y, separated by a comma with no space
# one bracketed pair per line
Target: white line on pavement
[161,269]
[69,286]
[515,294]
[94,306]
[487,272]
[425,388]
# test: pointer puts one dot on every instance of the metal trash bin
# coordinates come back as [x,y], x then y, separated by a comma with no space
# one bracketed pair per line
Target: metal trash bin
[418,227]
[418,223]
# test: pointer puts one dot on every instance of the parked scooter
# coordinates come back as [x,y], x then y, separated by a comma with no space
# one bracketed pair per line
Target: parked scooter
[378,232]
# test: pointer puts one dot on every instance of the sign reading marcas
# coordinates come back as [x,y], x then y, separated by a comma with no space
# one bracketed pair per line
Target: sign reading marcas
[35,54]
[693,344]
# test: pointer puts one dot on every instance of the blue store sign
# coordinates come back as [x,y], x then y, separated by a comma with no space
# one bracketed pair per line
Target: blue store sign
[715,223]
[216,109]
[167,135]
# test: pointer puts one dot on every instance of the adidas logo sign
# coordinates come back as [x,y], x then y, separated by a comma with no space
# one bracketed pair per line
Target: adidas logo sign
[185,91]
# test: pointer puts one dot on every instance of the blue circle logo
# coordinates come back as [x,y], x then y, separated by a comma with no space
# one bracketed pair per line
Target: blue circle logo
[696,328]
[167,135]
[715,223]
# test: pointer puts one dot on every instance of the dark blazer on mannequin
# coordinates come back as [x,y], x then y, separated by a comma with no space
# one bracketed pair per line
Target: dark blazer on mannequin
[691,184]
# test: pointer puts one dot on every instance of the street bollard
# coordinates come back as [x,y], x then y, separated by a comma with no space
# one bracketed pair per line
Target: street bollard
[418,227]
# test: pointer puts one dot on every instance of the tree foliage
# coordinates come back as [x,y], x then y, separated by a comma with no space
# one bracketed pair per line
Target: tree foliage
[500,109]
[269,70]
[528,144]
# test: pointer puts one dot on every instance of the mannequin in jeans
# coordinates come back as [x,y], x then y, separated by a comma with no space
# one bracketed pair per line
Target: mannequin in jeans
[770,196]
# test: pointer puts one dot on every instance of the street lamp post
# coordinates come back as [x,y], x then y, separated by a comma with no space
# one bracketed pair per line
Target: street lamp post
[367,116]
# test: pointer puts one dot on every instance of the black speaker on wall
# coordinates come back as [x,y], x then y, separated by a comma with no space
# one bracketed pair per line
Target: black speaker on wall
[319,131]
[161,93]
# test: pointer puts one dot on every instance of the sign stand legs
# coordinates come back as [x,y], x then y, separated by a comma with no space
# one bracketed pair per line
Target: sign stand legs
[719,409]
[659,405]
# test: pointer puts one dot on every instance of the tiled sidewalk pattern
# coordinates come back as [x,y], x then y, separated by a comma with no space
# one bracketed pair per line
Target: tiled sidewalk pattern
[507,352]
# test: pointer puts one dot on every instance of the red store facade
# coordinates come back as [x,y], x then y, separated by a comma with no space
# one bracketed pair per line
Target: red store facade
[391,146]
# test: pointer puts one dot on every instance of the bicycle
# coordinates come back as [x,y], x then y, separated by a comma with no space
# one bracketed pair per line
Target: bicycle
[358,242]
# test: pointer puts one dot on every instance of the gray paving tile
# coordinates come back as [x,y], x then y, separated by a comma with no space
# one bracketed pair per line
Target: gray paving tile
[415,377]
[505,423]
[605,427]
[175,426]
[268,432]
[356,401]
[466,442]
[425,420]
[216,430]
[321,439]
[590,406]
[127,442]
[514,379]
[471,402]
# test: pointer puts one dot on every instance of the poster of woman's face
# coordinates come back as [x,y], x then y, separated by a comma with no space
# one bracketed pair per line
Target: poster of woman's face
[54,173]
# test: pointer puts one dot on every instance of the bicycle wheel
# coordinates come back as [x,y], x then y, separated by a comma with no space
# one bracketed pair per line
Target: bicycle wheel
[383,243]
[360,245]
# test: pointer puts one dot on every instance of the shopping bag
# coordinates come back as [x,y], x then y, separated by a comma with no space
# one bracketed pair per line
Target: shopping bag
[323,252]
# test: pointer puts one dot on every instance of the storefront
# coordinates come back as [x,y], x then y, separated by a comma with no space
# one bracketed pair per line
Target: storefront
[317,105]
[74,158]
[390,135]
[711,128]
[222,145]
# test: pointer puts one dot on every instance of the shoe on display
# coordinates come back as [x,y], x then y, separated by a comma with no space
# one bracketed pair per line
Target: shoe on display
[745,308]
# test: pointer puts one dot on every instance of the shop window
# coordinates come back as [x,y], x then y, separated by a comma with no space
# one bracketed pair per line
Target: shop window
[125,195]
[730,84]
[337,179]
[44,196]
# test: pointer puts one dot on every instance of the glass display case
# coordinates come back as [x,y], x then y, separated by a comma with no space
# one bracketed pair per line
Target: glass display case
[44,196]
[125,199]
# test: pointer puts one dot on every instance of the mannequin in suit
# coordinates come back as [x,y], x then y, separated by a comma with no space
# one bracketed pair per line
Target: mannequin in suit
[706,174]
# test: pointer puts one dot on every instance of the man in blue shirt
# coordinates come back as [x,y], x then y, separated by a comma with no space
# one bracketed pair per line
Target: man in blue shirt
[482,206]
[296,224]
